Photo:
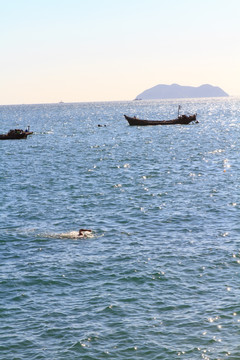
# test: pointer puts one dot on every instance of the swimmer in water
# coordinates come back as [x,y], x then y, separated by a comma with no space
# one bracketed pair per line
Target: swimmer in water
[84,232]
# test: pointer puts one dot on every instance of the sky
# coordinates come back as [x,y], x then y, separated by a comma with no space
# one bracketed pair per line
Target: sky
[108,50]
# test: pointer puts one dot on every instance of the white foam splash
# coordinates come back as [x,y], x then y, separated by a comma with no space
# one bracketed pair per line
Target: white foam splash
[75,235]
[71,235]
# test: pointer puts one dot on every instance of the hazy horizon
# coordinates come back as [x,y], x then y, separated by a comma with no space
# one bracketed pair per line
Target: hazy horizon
[77,51]
[121,100]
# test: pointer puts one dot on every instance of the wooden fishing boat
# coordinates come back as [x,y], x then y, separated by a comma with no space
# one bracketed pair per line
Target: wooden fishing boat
[15,134]
[180,120]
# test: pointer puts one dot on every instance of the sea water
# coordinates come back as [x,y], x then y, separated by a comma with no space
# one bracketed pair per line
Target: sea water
[160,276]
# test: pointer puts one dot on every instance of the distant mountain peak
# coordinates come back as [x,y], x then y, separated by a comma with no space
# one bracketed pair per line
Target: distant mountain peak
[176,91]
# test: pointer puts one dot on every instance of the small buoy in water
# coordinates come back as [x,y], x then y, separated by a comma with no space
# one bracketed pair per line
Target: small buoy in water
[224,170]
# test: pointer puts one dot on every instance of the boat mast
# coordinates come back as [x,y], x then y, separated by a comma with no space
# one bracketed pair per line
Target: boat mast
[179,107]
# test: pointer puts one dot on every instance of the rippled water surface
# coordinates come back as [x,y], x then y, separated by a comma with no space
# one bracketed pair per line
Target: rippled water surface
[160,277]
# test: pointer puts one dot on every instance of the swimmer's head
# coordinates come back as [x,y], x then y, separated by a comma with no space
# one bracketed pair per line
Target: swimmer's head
[82,231]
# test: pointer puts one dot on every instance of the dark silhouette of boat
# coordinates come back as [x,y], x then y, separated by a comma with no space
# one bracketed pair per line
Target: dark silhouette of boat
[180,120]
[15,134]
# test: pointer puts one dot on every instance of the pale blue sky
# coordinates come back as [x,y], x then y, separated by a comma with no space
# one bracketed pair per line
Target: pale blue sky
[100,50]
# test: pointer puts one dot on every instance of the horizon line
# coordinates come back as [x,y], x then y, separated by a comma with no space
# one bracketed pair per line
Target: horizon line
[108,101]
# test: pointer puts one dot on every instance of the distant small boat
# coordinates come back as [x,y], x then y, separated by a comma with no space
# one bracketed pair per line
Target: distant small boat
[16,134]
[180,120]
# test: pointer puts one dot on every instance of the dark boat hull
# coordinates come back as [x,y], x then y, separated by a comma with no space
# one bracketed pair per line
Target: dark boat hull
[181,120]
[15,135]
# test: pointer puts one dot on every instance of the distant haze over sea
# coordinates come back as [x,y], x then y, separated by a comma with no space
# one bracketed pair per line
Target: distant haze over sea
[176,91]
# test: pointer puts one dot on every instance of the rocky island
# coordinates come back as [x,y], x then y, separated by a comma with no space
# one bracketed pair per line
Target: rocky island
[176,91]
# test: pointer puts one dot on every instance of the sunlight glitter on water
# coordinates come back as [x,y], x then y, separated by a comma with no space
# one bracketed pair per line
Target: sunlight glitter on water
[159,278]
